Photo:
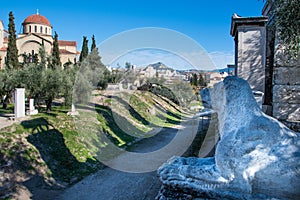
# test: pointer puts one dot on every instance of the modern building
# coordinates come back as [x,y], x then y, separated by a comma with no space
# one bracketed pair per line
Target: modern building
[36,30]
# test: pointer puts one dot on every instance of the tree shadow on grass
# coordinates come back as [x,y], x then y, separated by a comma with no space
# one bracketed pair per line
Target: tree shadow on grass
[169,103]
[37,125]
[171,121]
[131,110]
[174,115]
[51,114]
[51,145]
[15,168]
[119,124]
[25,168]
[158,104]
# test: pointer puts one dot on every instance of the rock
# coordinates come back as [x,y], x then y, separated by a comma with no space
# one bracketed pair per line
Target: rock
[257,157]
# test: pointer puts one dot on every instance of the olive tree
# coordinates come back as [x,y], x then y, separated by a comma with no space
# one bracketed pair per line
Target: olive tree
[287,15]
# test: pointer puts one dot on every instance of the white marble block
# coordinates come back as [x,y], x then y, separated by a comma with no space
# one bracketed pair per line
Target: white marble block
[73,111]
[32,110]
[31,104]
[19,102]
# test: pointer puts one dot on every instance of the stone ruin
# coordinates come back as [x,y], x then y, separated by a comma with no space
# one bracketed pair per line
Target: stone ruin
[257,157]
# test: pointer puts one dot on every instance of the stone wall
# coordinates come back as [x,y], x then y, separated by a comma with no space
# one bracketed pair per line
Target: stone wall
[286,86]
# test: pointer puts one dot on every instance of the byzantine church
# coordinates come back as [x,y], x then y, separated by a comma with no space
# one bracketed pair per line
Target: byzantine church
[37,30]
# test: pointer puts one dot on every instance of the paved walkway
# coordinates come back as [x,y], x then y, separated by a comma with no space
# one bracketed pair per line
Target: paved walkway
[110,184]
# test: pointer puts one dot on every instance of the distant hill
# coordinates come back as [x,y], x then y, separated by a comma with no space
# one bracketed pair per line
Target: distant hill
[222,70]
[162,66]
[159,66]
[200,71]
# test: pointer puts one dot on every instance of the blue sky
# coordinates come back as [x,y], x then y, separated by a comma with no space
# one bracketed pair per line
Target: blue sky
[206,22]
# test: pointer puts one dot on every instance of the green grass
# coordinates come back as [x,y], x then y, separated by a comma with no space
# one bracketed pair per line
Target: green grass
[67,148]
[9,110]
[166,113]
[53,138]
[195,103]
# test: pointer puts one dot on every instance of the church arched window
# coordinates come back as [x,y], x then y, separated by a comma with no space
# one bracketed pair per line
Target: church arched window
[29,29]
[41,29]
[35,29]
[46,30]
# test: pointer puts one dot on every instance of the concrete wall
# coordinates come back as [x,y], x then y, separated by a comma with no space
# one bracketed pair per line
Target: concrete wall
[251,55]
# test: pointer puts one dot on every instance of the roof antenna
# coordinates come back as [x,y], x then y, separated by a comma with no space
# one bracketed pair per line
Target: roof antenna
[37,11]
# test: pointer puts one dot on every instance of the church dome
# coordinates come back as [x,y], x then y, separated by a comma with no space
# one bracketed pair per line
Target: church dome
[37,24]
[37,19]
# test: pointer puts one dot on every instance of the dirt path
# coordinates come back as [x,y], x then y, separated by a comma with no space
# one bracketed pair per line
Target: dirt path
[110,184]
[5,121]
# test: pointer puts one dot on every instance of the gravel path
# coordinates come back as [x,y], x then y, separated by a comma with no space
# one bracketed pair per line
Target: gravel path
[110,184]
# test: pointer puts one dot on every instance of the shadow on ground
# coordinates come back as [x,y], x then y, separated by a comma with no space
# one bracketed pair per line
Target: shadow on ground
[51,145]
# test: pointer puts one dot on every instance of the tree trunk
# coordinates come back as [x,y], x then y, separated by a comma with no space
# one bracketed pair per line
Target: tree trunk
[4,105]
[49,104]
[7,100]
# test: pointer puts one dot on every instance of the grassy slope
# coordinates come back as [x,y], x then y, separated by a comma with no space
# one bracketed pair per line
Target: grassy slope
[53,147]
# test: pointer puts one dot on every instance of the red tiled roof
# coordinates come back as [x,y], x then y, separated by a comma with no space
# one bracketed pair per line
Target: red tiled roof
[36,18]
[63,51]
[6,39]
[3,48]
[78,52]
[66,43]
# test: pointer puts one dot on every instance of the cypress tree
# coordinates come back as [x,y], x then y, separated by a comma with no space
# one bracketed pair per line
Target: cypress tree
[201,81]
[84,51]
[195,80]
[93,43]
[55,52]
[42,54]
[12,51]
